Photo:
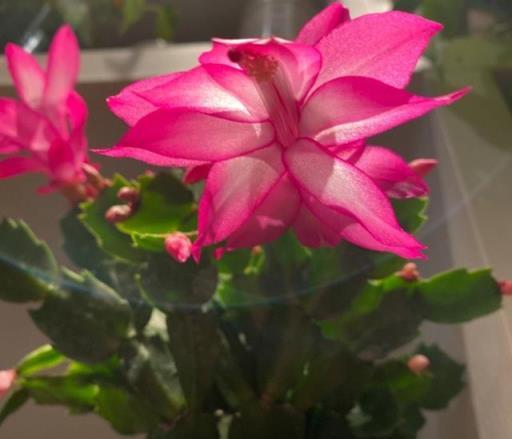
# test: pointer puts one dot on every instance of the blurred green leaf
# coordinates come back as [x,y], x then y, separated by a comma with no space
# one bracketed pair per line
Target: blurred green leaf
[85,319]
[133,10]
[28,270]
[451,13]
[193,427]
[45,357]
[108,237]
[14,402]
[127,413]
[447,378]
[459,296]
[165,22]
[165,206]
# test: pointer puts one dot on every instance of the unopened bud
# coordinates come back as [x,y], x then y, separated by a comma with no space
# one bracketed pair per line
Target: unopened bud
[409,272]
[423,167]
[118,213]
[257,250]
[128,195]
[418,364]
[506,287]
[178,246]
[7,378]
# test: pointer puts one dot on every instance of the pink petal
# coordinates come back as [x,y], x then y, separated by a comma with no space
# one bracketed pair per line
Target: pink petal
[187,137]
[219,52]
[271,219]
[26,73]
[391,173]
[423,167]
[323,24]
[196,173]
[384,46]
[64,163]
[354,108]
[311,232]
[63,67]
[213,89]
[350,152]
[234,191]
[13,166]
[336,184]
[130,105]
[7,379]
[300,63]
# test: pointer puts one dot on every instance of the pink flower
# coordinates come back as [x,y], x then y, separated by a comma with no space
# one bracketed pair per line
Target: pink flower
[44,131]
[178,246]
[418,364]
[278,129]
[7,378]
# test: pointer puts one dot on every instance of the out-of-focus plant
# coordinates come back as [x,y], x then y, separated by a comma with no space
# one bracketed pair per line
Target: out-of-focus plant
[98,23]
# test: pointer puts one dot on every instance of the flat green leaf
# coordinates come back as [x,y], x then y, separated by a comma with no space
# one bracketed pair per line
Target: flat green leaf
[165,206]
[107,236]
[43,358]
[127,413]
[196,349]
[410,213]
[382,318]
[257,423]
[28,269]
[447,378]
[85,319]
[15,402]
[459,296]
[133,10]
[151,369]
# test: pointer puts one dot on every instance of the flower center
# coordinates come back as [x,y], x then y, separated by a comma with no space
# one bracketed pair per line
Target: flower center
[274,88]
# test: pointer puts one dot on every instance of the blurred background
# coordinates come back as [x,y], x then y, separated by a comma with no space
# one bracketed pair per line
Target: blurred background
[125,40]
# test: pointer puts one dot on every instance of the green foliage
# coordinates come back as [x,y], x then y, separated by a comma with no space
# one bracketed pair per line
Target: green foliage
[28,270]
[45,357]
[85,319]
[14,403]
[459,296]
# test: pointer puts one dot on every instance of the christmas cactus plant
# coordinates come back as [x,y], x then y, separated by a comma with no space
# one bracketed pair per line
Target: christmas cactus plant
[263,292]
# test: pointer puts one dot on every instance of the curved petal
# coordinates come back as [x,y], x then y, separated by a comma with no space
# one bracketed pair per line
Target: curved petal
[194,174]
[187,137]
[270,219]
[320,226]
[353,108]
[391,173]
[219,51]
[63,67]
[323,24]
[28,77]
[130,104]
[423,167]
[213,89]
[340,186]
[383,46]
[13,166]
[235,189]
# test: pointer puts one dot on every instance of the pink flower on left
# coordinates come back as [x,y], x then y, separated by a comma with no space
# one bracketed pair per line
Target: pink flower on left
[44,130]
[7,378]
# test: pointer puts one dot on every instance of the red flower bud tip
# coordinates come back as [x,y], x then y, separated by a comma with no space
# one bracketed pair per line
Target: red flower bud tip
[119,213]
[418,364]
[423,167]
[129,195]
[179,246]
[257,250]
[506,287]
[410,272]
[7,378]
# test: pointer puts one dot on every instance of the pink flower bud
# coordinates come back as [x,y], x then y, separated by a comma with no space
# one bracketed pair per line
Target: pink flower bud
[7,378]
[418,364]
[410,272]
[179,246]
[129,195]
[423,167]
[506,287]
[119,213]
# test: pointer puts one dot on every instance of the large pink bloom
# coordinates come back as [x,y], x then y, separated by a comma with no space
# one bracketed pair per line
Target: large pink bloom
[278,129]
[44,131]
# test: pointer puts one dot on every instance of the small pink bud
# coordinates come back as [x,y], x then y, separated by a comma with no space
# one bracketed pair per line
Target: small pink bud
[506,287]
[418,364]
[423,167]
[179,246]
[7,378]
[410,272]
[119,213]
[128,195]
